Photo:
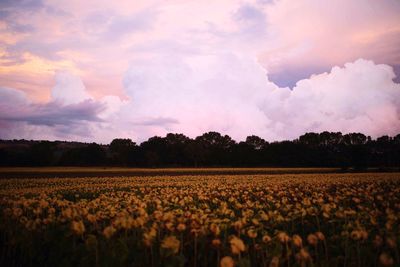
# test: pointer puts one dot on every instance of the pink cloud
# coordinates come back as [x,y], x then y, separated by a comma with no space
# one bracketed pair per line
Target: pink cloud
[190,67]
[318,35]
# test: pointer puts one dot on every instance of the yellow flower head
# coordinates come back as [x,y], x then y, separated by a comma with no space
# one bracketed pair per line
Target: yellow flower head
[386,260]
[274,262]
[109,231]
[181,227]
[283,237]
[312,239]
[266,238]
[237,245]
[227,262]
[297,241]
[216,243]
[252,233]
[171,243]
[355,235]
[320,236]
[303,256]
[77,227]
[215,229]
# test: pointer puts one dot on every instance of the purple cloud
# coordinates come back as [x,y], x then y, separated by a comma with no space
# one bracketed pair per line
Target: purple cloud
[22,4]
[120,26]
[15,107]
[158,121]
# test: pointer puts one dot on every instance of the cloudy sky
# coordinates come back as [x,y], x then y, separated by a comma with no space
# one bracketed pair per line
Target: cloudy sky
[96,70]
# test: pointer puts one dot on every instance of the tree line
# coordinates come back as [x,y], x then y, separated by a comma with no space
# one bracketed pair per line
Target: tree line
[211,149]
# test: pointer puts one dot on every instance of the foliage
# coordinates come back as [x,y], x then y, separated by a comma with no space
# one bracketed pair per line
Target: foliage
[326,149]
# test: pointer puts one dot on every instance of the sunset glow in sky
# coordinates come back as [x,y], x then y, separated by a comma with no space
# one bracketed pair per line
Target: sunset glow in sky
[97,70]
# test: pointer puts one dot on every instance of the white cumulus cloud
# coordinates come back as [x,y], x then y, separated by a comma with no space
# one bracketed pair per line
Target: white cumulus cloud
[223,92]
[232,94]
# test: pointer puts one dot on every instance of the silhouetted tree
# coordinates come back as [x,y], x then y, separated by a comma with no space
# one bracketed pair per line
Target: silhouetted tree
[124,152]
[42,153]
[211,149]
[194,153]
[217,148]
[256,142]
[354,139]
[154,149]
[244,155]
[90,155]
[310,139]
[175,146]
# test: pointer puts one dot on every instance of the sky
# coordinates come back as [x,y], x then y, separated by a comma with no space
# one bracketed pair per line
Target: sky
[97,70]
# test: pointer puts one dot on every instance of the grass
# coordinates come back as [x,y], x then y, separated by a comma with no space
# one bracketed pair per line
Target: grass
[48,172]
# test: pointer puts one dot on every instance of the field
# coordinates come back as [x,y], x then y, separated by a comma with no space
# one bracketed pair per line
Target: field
[313,219]
[70,172]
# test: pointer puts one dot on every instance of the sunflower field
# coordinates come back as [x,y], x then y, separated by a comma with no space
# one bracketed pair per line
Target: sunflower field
[238,220]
